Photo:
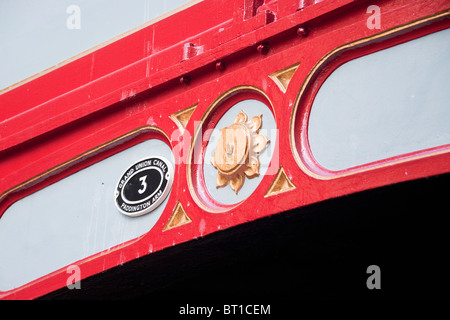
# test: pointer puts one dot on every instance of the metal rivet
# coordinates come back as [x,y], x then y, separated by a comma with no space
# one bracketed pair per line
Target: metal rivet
[185,80]
[302,31]
[263,48]
[220,65]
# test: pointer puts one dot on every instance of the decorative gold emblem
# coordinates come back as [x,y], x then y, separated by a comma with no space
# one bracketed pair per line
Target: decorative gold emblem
[236,154]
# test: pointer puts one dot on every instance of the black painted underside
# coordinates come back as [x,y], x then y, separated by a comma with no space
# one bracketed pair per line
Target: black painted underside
[319,251]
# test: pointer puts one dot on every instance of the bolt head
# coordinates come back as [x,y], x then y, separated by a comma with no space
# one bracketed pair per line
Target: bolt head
[263,48]
[220,65]
[185,80]
[302,31]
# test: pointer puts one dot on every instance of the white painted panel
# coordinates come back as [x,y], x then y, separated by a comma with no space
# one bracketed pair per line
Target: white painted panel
[71,219]
[36,35]
[385,104]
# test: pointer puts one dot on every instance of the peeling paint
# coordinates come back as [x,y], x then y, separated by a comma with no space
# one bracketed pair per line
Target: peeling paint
[202,227]
[151,122]
[127,94]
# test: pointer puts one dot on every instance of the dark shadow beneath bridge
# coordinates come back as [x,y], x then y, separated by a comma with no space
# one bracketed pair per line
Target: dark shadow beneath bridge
[321,251]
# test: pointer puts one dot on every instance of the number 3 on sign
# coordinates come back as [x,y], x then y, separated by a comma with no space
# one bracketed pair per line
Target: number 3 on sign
[143,184]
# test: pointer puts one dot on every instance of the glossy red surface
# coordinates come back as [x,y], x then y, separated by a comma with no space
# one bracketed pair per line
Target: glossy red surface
[75,115]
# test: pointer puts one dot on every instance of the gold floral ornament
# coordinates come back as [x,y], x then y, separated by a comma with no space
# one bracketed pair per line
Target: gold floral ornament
[236,154]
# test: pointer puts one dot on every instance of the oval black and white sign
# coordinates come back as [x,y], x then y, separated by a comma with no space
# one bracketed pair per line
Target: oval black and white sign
[144,186]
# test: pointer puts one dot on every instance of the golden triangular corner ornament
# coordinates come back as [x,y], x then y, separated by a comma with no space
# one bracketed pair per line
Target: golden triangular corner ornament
[284,76]
[280,184]
[178,218]
[181,118]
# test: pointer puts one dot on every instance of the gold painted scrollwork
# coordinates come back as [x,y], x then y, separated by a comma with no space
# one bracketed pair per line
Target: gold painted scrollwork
[237,150]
